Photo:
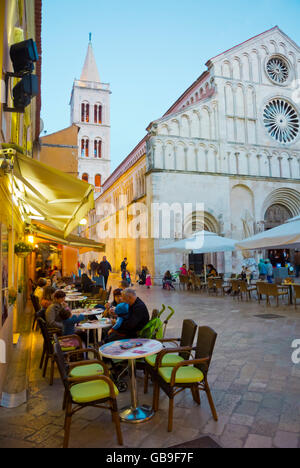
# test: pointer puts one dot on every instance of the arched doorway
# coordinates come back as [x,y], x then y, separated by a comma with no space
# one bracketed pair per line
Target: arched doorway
[196,222]
[276,215]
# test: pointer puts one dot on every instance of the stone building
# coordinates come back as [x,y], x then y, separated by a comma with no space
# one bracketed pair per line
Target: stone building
[90,111]
[231,141]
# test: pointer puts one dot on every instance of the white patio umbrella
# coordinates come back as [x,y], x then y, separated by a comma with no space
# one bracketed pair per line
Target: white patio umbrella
[286,235]
[202,242]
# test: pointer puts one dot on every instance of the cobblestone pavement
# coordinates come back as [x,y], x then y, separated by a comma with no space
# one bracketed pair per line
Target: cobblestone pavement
[254,383]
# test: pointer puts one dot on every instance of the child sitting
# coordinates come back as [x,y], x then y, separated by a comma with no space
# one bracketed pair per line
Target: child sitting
[69,321]
[122,312]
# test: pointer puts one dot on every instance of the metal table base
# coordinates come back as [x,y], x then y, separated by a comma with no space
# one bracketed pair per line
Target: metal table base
[135,414]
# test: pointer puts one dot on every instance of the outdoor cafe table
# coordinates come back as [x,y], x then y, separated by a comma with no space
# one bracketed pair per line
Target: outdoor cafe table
[134,413]
[289,287]
[72,300]
[96,326]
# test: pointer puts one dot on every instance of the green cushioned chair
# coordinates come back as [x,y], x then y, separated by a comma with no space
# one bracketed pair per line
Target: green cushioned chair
[91,391]
[86,370]
[48,351]
[188,374]
[188,332]
[191,373]
[168,360]
[81,390]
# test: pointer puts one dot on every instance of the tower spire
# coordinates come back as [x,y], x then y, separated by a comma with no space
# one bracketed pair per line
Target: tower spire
[90,70]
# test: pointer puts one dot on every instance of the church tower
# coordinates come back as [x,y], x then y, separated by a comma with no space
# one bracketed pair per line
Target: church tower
[90,111]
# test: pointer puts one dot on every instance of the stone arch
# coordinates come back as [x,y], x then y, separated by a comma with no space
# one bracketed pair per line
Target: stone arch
[242,211]
[197,221]
[185,126]
[164,129]
[227,69]
[275,215]
[236,69]
[290,198]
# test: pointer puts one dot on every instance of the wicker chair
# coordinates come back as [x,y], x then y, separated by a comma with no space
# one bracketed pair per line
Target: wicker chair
[188,333]
[296,293]
[83,391]
[245,289]
[190,374]
[272,290]
[183,281]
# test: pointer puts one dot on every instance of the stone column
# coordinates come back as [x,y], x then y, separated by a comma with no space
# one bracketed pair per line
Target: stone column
[237,162]
[197,159]
[290,166]
[186,158]
[280,166]
[248,163]
[216,160]
[175,158]
[258,164]
[206,160]
[270,165]
[164,155]
[228,161]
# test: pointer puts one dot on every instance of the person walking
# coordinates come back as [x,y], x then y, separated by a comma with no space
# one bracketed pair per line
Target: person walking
[124,264]
[269,267]
[104,269]
[262,268]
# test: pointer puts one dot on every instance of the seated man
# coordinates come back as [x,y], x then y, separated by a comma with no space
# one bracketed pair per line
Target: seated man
[138,317]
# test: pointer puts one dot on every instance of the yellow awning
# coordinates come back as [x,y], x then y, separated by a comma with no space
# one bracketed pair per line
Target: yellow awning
[84,245]
[45,193]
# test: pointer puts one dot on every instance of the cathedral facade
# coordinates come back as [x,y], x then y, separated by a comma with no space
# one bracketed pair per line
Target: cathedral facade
[231,142]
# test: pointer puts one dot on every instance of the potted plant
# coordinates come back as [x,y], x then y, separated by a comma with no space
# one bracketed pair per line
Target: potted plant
[22,249]
[12,296]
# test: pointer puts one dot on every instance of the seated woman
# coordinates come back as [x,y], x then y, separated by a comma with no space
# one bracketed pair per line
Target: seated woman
[48,297]
[39,291]
[110,307]
[211,271]
[86,284]
[168,281]
[183,270]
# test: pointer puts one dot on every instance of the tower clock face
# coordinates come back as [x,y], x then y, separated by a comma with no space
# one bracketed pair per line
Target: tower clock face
[278,70]
[281,120]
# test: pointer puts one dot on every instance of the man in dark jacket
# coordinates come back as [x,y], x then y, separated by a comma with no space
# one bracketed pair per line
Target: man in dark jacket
[104,269]
[138,315]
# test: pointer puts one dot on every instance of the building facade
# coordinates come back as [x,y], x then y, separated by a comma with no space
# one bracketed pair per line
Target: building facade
[231,142]
[90,111]
[19,20]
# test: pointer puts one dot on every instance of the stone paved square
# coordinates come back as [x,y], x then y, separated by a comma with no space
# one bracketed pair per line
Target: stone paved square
[254,384]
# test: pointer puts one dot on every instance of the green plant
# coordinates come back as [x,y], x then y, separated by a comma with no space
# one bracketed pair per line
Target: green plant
[22,247]
[12,296]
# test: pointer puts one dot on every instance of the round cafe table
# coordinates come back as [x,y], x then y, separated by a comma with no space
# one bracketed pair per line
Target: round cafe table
[73,300]
[134,413]
[96,326]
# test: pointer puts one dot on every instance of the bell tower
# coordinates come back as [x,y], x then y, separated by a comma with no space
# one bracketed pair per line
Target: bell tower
[90,111]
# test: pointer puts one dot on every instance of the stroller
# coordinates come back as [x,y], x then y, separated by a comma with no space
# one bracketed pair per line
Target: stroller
[154,330]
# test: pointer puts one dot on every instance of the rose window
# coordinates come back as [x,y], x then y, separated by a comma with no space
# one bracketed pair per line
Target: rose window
[278,70]
[281,120]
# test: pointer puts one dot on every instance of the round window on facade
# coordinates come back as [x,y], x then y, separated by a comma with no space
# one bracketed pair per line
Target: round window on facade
[281,120]
[278,70]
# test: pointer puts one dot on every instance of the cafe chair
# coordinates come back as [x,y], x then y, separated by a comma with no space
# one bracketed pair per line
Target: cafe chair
[188,333]
[68,343]
[220,286]
[272,290]
[246,289]
[190,373]
[183,281]
[296,293]
[80,368]
[80,392]
[211,287]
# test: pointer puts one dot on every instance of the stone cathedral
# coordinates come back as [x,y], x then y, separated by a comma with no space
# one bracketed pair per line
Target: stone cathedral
[231,141]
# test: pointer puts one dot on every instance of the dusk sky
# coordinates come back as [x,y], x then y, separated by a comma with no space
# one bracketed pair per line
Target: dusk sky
[149,52]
